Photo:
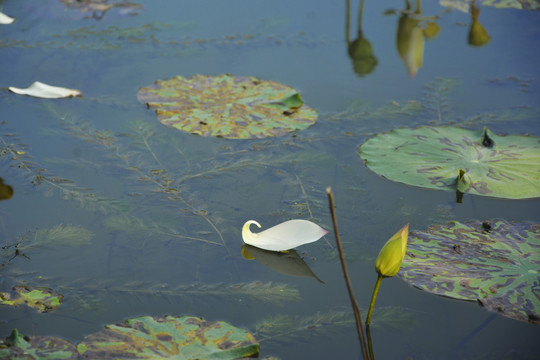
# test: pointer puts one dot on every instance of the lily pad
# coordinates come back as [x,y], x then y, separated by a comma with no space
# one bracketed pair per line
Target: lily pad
[465,6]
[17,346]
[234,107]
[41,298]
[496,263]
[184,337]
[449,158]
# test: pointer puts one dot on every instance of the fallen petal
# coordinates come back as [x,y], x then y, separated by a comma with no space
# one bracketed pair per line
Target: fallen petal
[284,236]
[41,90]
[5,20]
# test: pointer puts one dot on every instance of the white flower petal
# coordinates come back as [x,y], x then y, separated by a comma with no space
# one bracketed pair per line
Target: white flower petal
[41,90]
[5,20]
[284,236]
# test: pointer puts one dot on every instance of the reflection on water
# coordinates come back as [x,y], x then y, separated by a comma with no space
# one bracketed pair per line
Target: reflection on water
[478,35]
[288,263]
[6,191]
[360,50]
[413,29]
[99,8]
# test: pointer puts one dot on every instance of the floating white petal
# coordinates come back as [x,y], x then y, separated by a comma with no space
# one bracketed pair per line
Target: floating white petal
[284,236]
[5,20]
[45,91]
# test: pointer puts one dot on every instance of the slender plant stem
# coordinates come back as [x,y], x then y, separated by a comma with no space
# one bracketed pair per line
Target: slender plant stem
[358,317]
[369,342]
[373,297]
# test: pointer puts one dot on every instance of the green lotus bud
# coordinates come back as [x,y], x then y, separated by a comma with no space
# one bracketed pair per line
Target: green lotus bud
[389,261]
[392,253]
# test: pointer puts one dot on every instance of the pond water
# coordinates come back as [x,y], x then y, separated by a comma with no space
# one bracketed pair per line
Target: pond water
[151,217]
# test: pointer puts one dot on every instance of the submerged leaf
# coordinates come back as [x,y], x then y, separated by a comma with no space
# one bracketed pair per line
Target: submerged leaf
[17,346]
[496,263]
[458,159]
[184,337]
[228,106]
[41,90]
[284,236]
[291,328]
[65,235]
[41,298]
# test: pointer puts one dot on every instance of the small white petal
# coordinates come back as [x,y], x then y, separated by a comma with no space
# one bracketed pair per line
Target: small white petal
[41,90]
[5,20]
[284,236]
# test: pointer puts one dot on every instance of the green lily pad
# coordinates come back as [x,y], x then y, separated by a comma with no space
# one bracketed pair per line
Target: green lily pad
[452,158]
[41,298]
[16,346]
[496,263]
[234,107]
[184,337]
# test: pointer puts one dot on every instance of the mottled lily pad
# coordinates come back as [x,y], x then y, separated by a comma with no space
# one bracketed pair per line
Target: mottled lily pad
[41,298]
[465,6]
[16,346]
[515,4]
[234,107]
[449,158]
[169,337]
[496,263]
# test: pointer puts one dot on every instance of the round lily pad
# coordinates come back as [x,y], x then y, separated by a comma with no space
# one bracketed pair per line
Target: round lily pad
[41,298]
[234,107]
[450,158]
[169,337]
[496,263]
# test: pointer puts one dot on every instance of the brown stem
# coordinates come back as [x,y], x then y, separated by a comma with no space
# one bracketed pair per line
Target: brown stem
[358,317]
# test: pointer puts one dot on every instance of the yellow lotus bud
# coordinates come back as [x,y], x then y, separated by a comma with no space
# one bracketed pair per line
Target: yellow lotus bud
[392,253]
[388,262]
